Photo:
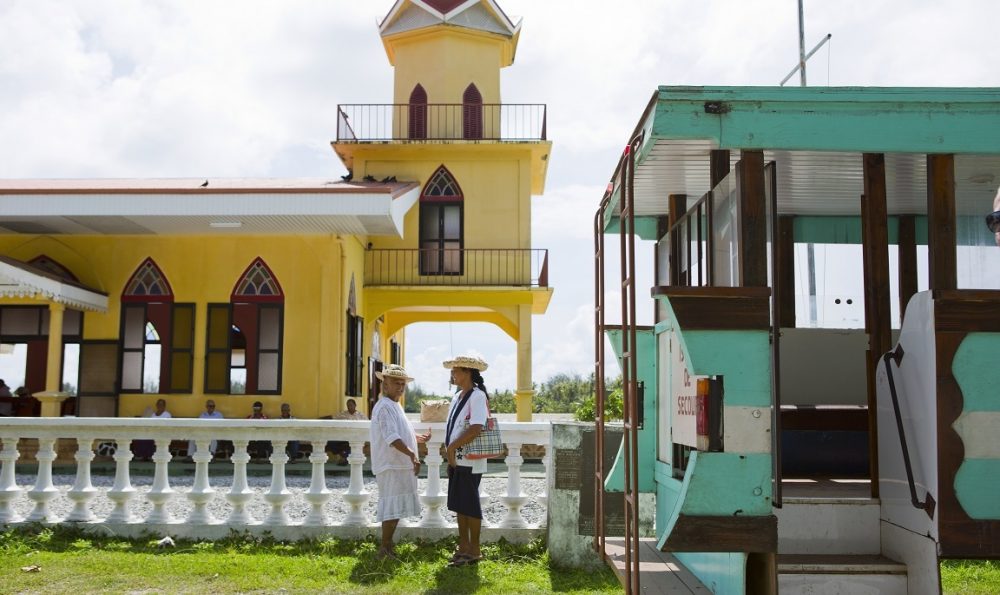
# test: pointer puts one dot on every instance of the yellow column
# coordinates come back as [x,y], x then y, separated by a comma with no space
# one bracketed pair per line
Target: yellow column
[53,397]
[525,388]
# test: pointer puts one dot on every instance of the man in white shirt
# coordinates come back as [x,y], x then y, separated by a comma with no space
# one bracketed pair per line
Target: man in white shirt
[210,412]
[394,457]
[339,447]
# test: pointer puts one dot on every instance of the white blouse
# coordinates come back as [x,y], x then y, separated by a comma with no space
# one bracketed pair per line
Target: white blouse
[389,424]
[475,411]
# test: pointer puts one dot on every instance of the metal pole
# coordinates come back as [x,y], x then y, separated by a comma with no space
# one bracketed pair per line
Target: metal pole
[808,55]
[802,47]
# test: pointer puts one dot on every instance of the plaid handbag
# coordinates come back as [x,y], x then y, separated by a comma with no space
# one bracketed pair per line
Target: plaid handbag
[488,444]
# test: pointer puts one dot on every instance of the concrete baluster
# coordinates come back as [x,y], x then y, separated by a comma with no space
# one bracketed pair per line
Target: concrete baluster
[356,495]
[240,494]
[83,491]
[543,498]
[318,494]
[122,491]
[201,492]
[278,495]
[514,498]
[433,499]
[43,491]
[8,483]
[160,493]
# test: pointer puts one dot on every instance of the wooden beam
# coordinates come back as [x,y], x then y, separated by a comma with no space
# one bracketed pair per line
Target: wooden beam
[907,262]
[878,319]
[676,207]
[719,308]
[784,276]
[736,533]
[941,239]
[718,169]
[753,220]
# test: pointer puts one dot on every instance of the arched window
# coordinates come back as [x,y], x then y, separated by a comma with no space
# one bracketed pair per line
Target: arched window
[417,127]
[441,225]
[244,337]
[157,335]
[472,113]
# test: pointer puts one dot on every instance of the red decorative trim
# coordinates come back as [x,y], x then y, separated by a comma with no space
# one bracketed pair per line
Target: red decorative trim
[51,265]
[239,297]
[441,171]
[166,293]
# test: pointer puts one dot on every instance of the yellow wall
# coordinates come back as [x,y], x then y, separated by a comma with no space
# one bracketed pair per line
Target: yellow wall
[204,269]
[444,61]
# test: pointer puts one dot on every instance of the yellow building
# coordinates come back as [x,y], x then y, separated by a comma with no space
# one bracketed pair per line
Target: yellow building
[292,290]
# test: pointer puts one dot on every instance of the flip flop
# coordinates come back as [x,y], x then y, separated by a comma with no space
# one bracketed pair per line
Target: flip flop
[465,561]
[458,556]
[380,555]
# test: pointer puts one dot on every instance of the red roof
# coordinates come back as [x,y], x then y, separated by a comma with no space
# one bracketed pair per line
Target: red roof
[444,6]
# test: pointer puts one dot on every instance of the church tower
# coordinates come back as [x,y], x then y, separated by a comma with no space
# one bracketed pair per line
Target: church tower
[466,253]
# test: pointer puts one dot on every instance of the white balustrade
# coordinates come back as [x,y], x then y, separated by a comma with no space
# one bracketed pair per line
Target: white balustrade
[9,490]
[278,495]
[543,498]
[356,495]
[432,497]
[240,494]
[83,491]
[201,492]
[161,493]
[44,491]
[514,499]
[122,491]
[318,494]
[88,432]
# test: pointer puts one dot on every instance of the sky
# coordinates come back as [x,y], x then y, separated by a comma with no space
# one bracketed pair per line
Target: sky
[203,88]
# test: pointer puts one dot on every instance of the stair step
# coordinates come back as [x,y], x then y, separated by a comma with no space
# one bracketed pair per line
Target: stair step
[838,564]
[829,526]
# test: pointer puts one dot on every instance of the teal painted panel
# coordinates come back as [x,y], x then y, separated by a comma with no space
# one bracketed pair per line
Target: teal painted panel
[856,119]
[645,227]
[847,230]
[668,497]
[723,573]
[974,367]
[977,484]
[742,357]
[722,483]
[646,373]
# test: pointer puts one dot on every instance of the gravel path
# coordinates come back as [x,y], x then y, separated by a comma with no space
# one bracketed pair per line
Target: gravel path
[297,507]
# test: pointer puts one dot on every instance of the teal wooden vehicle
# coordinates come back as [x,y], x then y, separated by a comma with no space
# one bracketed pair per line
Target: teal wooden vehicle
[819,393]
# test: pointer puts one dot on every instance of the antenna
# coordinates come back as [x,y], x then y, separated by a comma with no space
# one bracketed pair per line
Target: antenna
[803,57]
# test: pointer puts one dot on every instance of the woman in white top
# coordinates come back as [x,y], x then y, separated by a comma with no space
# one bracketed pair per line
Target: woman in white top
[466,418]
[144,449]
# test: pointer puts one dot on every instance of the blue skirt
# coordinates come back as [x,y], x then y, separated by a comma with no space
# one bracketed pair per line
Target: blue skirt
[463,492]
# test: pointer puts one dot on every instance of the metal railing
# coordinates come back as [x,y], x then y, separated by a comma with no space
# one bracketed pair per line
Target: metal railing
[457,267]
[928,505]
[210,508]
[441,121]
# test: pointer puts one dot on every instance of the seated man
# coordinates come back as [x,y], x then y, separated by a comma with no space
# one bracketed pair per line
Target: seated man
[292,450]
[144,449]
[338,447]
[210,412]
[259,449]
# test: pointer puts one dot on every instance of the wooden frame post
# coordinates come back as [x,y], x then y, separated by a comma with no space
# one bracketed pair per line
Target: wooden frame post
[785,247]
[677,206]
[907,278]
[753,220]
[878,320]
[942,260]
[718,169]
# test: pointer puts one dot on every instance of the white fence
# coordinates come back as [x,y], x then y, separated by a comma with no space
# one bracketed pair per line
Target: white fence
[203,521]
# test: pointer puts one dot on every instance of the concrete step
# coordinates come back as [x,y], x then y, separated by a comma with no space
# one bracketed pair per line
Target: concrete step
[801,574]
[829,526]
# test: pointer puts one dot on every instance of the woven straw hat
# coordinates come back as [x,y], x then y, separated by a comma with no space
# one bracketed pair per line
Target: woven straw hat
[393,371]
[466,361]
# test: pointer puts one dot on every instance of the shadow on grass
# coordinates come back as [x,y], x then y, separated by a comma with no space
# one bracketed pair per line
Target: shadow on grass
[458,581]
[563,579]
[369,570]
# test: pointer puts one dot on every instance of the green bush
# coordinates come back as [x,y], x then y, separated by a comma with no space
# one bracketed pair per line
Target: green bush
[613,407]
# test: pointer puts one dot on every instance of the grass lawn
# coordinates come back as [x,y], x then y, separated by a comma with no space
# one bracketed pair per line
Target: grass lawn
[72,562]
[970,577]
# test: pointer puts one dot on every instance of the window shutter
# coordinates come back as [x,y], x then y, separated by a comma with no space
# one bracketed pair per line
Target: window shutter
[133,344]
[217,351]
[182,349]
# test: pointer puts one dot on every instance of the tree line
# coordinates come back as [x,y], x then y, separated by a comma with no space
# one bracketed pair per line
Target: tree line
[563,393]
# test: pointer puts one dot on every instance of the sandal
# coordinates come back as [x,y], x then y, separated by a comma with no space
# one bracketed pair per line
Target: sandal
[386,555]
[465,561]
[457,556]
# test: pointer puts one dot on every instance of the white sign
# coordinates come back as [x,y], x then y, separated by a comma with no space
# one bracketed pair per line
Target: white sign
[683,396]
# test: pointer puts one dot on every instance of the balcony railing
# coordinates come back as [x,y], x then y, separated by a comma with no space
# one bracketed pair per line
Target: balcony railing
[457,267]
[441,121]
[212,511]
